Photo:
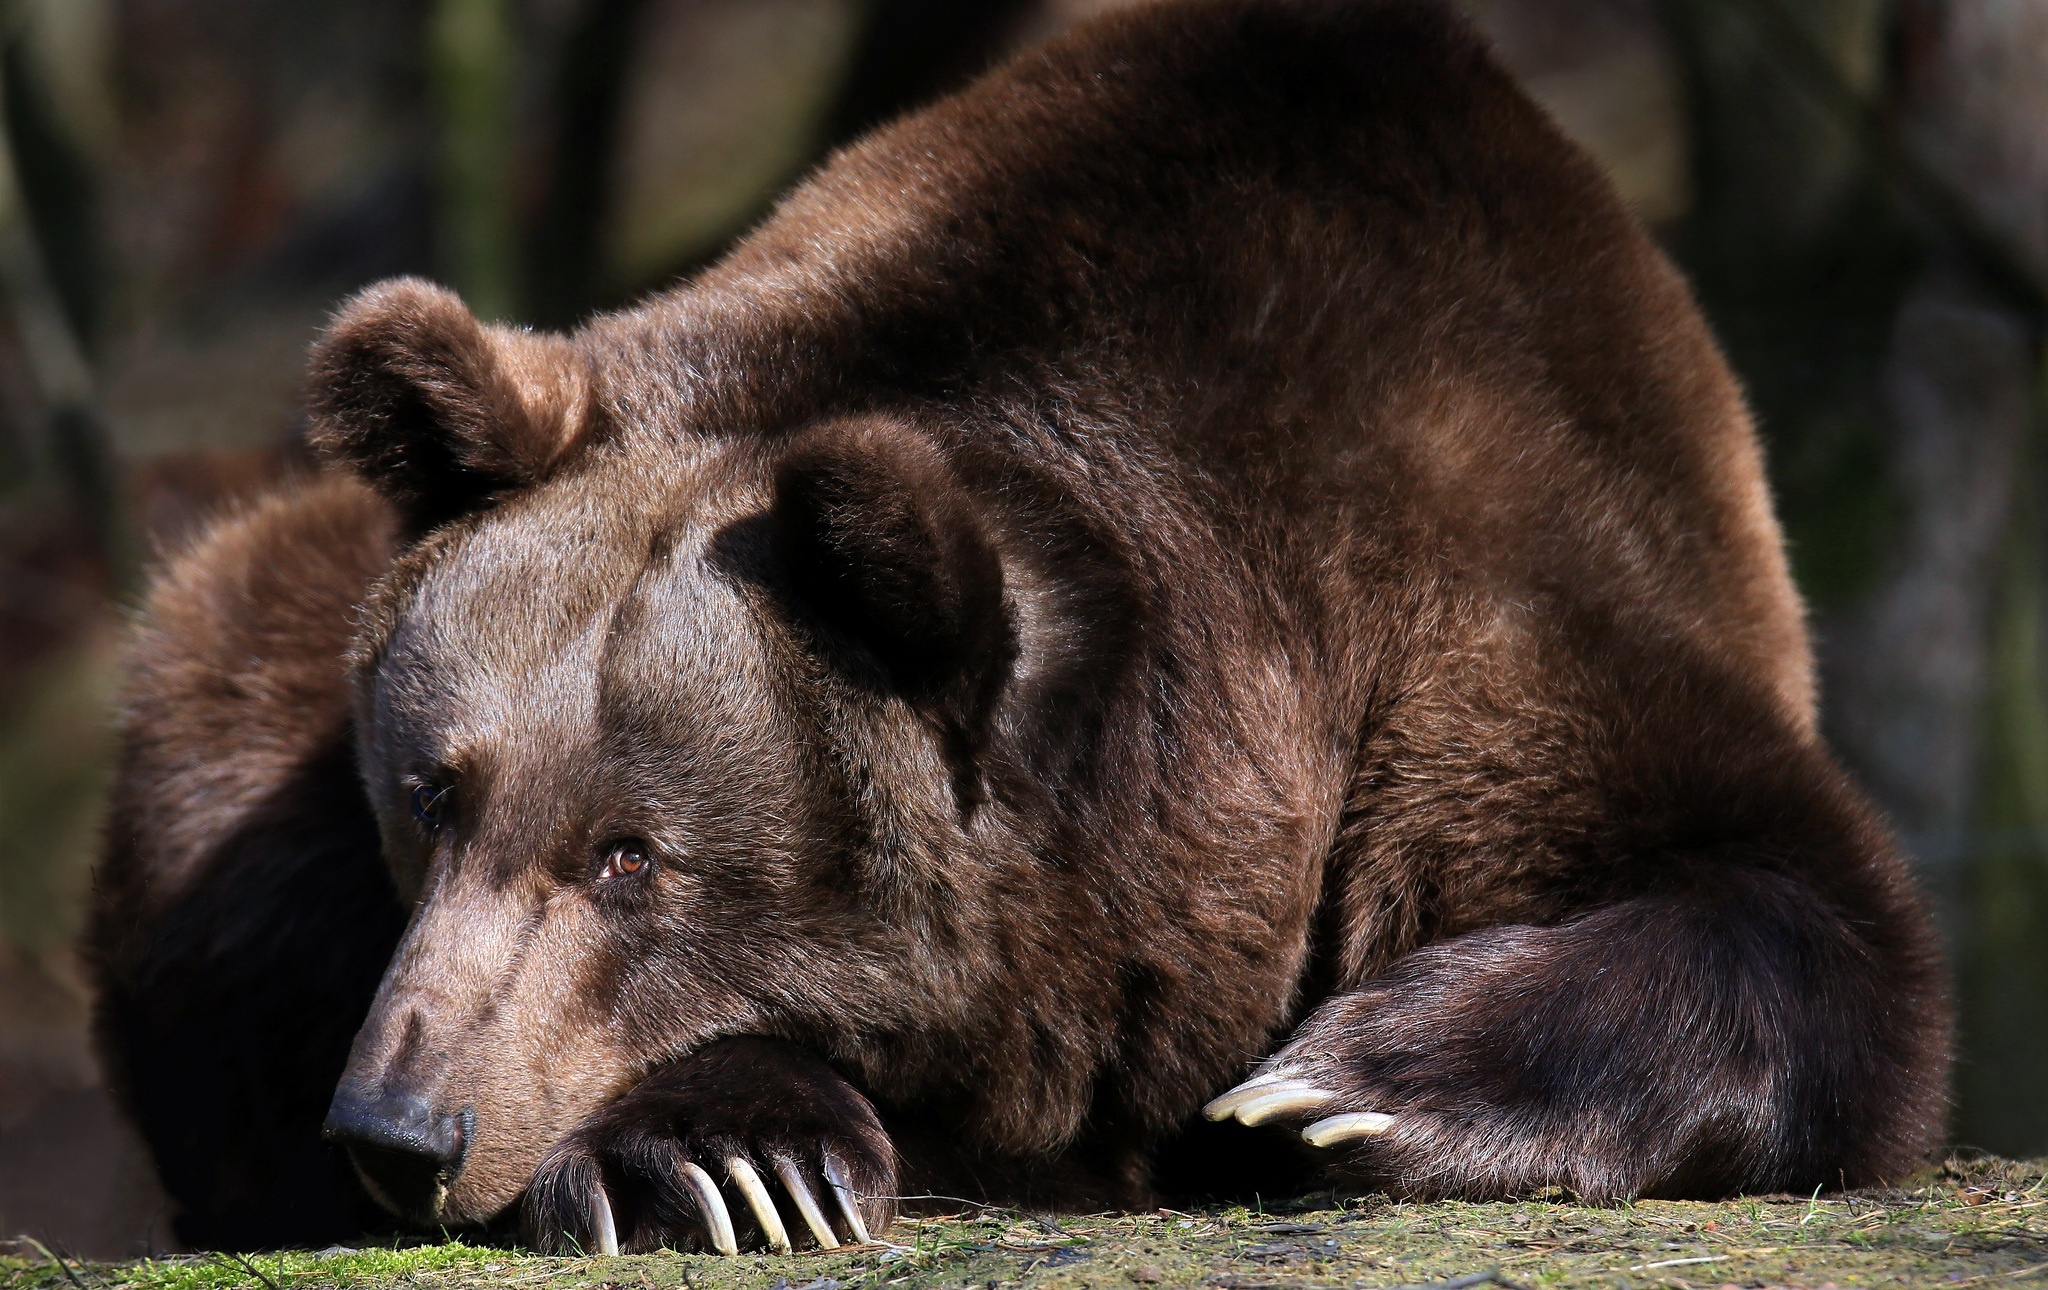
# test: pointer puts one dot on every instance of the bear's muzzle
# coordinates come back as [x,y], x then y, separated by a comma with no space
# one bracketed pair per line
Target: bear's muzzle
[404,1149]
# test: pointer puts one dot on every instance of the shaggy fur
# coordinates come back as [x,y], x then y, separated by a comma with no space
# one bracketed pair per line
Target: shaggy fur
[1221,540]
[241,916]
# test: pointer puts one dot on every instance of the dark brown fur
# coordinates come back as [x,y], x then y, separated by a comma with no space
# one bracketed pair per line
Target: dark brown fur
[1223,537]
[241,918]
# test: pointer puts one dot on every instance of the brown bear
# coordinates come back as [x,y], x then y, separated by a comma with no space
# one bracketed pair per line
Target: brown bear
[1219,551]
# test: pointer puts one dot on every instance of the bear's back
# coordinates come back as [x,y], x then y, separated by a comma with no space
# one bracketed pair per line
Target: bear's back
[1315,280]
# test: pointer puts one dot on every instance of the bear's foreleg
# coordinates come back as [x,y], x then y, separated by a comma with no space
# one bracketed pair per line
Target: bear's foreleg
[1742,1035]
[694,1154]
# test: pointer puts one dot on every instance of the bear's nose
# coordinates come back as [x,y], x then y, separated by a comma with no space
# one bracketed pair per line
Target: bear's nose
[405,1150]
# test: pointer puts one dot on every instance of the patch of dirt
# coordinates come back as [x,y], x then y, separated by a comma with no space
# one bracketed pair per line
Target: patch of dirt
[1971,1223]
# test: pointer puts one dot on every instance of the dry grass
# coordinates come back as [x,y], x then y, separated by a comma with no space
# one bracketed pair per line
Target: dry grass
[1971,1223]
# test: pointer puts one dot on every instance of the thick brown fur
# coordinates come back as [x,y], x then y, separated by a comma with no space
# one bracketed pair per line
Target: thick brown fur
[241,918]
[1221,541]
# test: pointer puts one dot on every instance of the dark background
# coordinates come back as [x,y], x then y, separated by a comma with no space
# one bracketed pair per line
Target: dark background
[1859,189]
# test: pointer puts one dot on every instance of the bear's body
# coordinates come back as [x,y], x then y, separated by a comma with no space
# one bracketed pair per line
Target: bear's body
[1224,535]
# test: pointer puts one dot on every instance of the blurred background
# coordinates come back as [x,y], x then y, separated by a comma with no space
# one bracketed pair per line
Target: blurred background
[1859,189]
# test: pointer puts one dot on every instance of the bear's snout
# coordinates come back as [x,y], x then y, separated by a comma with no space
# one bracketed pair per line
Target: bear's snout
[404,1148]
[480,1050]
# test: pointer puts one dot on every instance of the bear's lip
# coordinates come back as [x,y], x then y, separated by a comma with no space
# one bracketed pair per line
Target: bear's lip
[375,1168]
[405,1152]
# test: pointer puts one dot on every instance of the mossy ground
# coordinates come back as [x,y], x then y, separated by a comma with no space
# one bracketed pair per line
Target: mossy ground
[1978,1223]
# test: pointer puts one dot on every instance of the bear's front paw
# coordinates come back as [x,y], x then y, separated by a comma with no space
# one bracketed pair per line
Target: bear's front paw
[1482,1067]
[686,1158]
[1280,1092]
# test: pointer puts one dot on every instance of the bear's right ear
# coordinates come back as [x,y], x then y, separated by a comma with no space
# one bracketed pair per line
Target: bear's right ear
[436,410]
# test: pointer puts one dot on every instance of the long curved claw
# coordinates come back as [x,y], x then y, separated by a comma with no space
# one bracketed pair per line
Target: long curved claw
[806,1203]
[749,1182]
[716,1220]
[1285,1098]
[1343,1128]
[1222,1108]
[604,1231]
[849,1204]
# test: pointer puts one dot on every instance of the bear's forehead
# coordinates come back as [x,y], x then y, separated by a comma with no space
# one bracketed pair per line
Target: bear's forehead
[528,583]
[573,618]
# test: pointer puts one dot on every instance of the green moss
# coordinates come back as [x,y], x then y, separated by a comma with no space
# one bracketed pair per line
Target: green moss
[452,1263]
[1971,1223]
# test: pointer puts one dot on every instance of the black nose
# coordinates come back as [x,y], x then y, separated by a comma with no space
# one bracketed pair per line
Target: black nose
[406,1151]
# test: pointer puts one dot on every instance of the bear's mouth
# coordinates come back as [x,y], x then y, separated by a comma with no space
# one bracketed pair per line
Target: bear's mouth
[405,1155]
[393,1183]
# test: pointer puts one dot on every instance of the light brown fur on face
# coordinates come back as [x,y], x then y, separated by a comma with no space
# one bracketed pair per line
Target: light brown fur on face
[1220,545]
[536,734]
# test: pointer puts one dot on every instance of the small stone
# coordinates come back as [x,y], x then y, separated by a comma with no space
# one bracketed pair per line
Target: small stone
[1147,1273]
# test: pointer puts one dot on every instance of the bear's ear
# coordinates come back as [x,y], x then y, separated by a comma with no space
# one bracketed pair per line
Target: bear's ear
[436,410]
[879,540]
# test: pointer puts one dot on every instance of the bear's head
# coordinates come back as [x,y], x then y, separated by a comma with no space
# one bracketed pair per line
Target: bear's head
[666,742]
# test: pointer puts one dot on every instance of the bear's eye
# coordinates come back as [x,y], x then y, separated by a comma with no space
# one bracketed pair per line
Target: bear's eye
[431,804]
[624,858]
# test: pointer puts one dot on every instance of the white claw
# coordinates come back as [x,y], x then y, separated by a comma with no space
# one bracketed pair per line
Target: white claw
[1285,1098]
[749,1183]
[1343,1128]
[604,1232]
[716,1220]
[1224,1106]
[849,1203]
[806,1204]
